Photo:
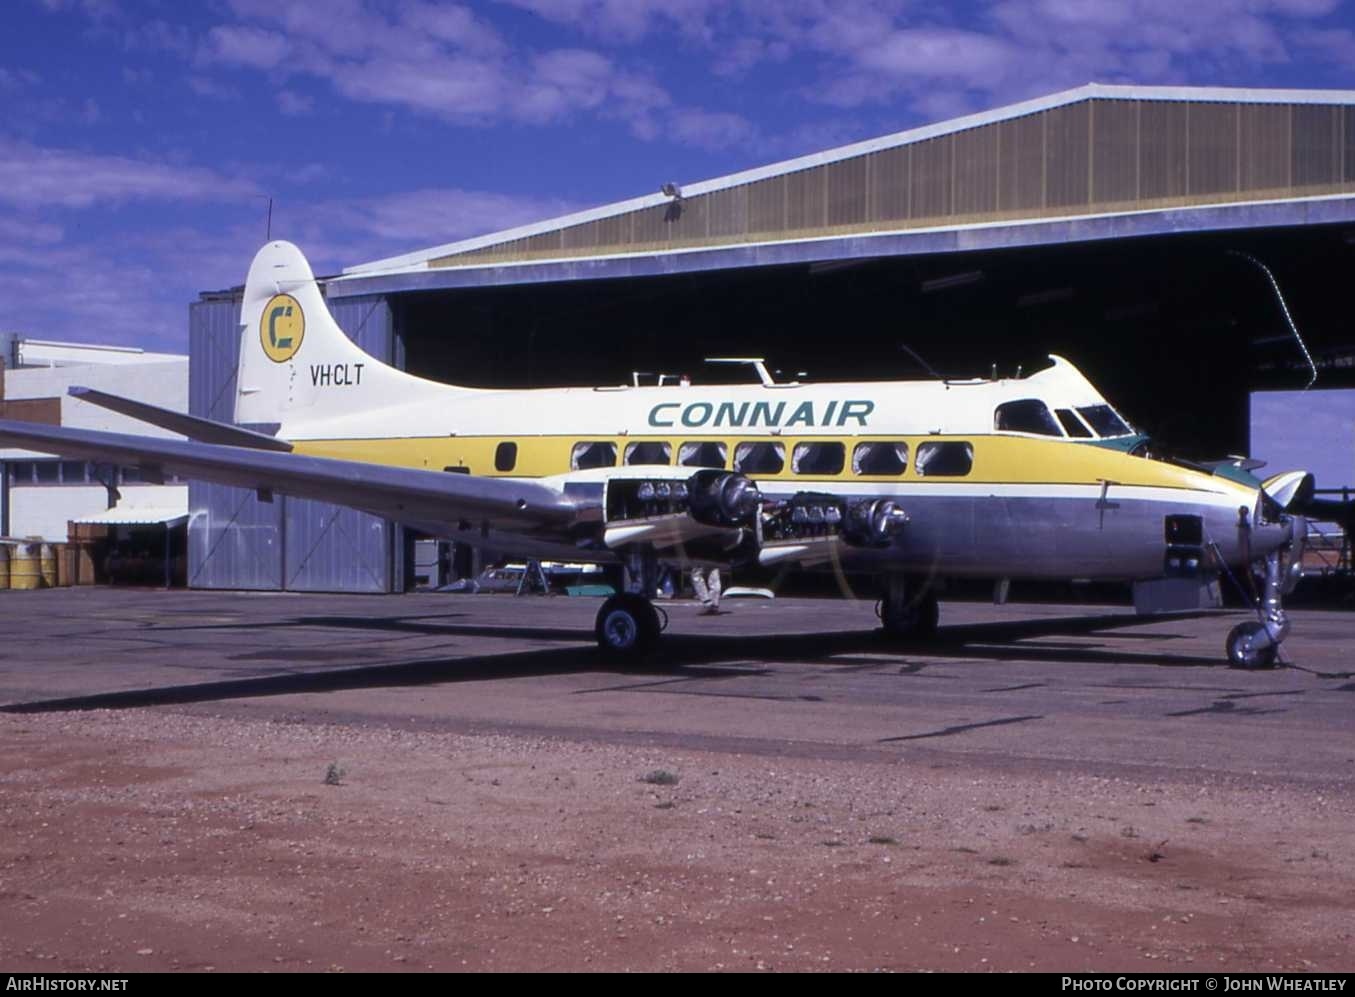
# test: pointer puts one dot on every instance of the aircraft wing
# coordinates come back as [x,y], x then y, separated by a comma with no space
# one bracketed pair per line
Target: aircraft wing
[426,497]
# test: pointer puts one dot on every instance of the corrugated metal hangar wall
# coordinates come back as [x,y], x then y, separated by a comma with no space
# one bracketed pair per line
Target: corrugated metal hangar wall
[1083,158]
[237,541]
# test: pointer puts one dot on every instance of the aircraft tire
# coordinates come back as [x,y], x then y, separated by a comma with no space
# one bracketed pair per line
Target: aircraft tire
[1242,653]
[917,620]
[627,627]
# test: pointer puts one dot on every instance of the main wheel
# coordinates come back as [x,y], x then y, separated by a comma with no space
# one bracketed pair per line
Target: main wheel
[627,626]
[914,620]
[1249,646]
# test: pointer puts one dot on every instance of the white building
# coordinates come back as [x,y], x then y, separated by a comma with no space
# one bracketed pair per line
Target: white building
[41,494]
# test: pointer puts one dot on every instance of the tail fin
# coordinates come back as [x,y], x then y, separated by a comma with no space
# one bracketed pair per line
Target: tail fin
[296,364]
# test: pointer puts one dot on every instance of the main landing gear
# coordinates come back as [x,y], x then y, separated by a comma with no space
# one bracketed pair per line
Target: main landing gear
[908,612]
[628,625]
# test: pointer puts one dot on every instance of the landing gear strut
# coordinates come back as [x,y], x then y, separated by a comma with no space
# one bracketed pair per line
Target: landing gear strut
[627,625]
[1256,643]
[908,614]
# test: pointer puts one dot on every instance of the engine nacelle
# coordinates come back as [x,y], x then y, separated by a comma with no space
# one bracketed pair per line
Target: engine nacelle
[874,522]
[816,516]
[722,498]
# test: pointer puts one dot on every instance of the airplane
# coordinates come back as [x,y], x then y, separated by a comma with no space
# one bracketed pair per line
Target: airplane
[913,481]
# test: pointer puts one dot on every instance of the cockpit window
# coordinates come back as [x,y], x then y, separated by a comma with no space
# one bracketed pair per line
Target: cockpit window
[1073,424]
[1029,415]
[1103,419]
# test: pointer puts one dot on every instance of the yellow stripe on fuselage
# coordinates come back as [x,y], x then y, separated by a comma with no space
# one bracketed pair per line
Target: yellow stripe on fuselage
[998,459]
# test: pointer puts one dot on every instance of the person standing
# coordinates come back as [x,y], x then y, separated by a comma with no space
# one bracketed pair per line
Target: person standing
[707,589]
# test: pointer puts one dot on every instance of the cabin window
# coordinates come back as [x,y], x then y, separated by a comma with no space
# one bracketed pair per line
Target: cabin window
[1029,415]
[707,454]
[1073,424]
[506,456]
[944,460]
[1103,419]
[818,458]
[649,453]
[889,457]
[760,458]
[588,455]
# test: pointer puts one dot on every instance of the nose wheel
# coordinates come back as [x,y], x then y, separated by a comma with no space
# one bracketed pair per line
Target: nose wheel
[627,627]
[1250,646]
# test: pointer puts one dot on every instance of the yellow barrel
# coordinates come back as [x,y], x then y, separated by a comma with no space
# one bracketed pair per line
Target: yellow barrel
[47,564]
[25,566]
[4,566]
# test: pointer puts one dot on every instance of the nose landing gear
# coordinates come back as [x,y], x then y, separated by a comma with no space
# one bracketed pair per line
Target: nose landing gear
[1256,643]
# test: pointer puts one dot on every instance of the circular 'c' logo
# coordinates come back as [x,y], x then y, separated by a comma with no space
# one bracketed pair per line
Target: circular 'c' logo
[282,327]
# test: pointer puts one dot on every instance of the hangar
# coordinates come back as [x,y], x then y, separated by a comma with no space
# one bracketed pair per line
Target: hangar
[1135,230]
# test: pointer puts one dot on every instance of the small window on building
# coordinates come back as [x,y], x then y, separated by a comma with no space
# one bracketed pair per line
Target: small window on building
[649,453]
[1103,419]
[73,472]
[21,472]
[760,458]
[944,460]
[888,457]
[703,454]
[818,458]
[588,455]
[132,476]
[47,472]
[1073,424]
[506,456]
[1029,415]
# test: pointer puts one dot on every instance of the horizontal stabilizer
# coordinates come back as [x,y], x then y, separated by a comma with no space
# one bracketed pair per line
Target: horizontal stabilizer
[194,427]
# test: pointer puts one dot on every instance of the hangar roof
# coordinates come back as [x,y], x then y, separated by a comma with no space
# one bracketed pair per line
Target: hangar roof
[1097,161]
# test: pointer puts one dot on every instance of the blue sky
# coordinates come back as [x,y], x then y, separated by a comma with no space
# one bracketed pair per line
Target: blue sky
[140,139]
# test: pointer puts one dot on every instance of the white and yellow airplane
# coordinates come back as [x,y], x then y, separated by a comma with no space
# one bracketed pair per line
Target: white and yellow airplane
[911,481]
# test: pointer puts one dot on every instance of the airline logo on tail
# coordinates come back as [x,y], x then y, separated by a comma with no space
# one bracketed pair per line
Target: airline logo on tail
[281,328]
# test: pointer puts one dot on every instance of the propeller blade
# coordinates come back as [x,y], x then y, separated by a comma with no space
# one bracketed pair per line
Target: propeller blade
[1289,488]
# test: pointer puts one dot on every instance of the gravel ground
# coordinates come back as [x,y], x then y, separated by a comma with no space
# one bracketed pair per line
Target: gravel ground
[155,840]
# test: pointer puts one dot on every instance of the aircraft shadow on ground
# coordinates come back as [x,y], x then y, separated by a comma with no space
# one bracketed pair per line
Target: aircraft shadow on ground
[708,656]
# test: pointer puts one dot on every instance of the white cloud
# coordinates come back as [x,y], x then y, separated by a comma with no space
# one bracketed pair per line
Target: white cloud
[32,176]
[711,129]
[294,104]
[627,20]
[243,45]
[443,61]
[373,226]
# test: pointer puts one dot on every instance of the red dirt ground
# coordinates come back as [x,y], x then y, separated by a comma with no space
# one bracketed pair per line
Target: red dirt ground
[151,840]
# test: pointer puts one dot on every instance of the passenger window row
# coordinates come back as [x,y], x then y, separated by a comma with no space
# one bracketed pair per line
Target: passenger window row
[877,458]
